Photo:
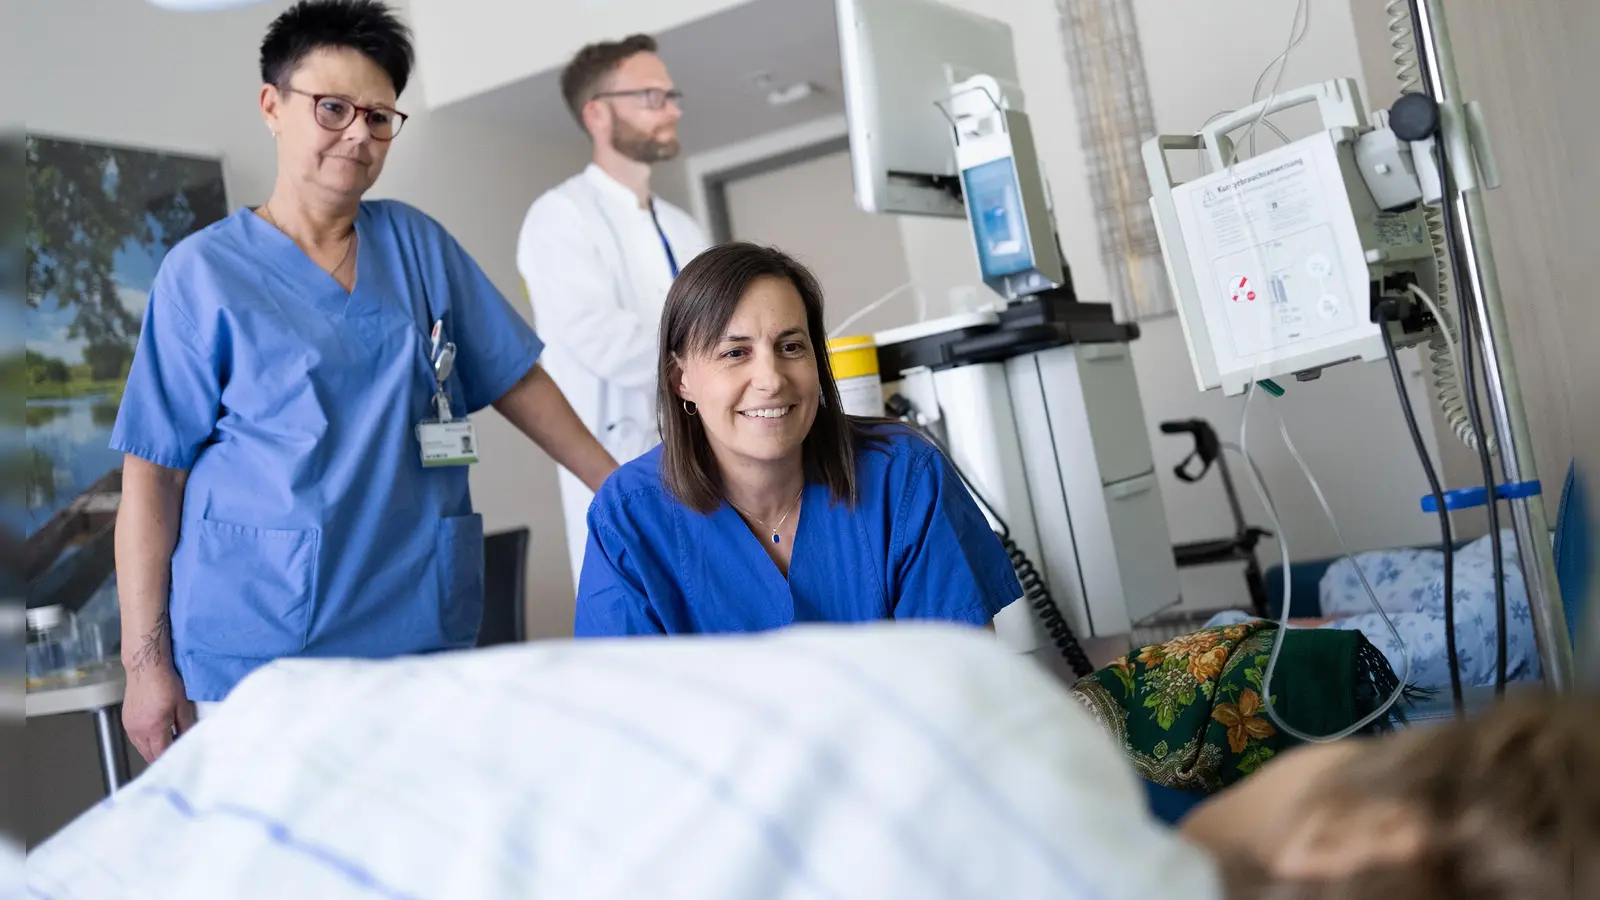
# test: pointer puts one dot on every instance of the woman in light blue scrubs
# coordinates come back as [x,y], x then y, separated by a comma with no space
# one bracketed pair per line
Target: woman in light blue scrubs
[765,505]
[295,481]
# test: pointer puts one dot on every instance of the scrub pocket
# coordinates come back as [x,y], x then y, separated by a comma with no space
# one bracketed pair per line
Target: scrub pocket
[630,422]
[250,591]
[460,566]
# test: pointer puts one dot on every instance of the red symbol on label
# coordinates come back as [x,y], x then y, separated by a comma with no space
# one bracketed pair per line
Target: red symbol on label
[1241,290]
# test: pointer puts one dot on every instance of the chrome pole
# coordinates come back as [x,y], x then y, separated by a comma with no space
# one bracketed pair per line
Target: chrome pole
[1474,265]
[113,752]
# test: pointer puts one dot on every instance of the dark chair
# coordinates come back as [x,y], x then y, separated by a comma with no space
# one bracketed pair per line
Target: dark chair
[1239,547]
[505,568]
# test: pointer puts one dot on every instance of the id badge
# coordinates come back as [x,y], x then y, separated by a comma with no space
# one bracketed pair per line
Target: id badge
[447,443]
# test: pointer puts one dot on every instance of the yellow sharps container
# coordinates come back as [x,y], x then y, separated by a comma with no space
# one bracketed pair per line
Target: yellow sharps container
[855,367]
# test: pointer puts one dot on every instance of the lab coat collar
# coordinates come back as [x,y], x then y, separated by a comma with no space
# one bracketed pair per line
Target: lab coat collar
[613,189]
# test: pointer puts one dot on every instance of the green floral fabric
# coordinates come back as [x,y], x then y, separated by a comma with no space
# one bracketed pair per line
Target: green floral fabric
[1190,711]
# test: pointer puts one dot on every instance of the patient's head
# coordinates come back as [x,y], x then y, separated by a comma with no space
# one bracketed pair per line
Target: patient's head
[1501,806]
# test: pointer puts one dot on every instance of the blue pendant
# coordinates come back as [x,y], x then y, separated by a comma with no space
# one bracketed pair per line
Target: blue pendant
[775,537]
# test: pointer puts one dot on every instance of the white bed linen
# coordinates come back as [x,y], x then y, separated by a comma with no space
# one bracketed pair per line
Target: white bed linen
[873,762]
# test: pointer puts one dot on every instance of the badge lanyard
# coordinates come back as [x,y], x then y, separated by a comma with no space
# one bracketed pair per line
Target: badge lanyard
[445,440]
[665,244]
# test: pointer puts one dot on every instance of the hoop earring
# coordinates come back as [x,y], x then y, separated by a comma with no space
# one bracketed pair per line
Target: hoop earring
[689,408]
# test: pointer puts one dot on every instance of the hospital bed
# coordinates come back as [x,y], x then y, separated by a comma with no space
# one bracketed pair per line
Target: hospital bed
[1574,552]
[854,762]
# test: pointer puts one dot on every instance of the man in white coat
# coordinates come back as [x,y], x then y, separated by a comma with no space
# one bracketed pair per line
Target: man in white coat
[599,251]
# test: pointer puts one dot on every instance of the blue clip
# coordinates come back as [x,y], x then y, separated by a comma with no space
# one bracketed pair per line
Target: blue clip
[1467,498]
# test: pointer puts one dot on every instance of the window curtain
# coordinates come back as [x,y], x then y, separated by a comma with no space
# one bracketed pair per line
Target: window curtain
[1112,95]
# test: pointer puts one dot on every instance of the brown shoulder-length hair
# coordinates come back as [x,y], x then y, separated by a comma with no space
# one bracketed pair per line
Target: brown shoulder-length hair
[1509,801]
[702,300]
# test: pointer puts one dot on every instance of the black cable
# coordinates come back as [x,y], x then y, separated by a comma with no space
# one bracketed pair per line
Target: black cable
[1444,514]
[1038,597]
[1469,390]
[1034,590]
[1491,498]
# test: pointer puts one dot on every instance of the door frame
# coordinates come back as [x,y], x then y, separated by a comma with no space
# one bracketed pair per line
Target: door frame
[711,172]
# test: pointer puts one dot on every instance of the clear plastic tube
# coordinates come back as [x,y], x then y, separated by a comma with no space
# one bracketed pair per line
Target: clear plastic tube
[1288,597]
[854,317]
[1255,477]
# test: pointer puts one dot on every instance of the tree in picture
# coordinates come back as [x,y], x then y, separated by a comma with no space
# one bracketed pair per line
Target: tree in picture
[99,221]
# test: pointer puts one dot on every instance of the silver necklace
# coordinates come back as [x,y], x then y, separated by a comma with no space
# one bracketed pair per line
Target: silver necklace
[349,244]
[773,528]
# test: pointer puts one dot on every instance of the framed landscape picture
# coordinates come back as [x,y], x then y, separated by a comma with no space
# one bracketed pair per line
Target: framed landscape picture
[100,219]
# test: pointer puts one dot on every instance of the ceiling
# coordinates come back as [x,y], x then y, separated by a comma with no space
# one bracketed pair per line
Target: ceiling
[715,62]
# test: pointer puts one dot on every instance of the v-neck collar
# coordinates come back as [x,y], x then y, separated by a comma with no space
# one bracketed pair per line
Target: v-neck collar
[729,518]
[300,270]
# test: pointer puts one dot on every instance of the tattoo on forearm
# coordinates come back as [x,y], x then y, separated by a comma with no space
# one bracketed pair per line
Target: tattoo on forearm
[156,646]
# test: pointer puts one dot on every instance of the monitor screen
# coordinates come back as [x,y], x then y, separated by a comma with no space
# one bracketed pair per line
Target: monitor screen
[899,58]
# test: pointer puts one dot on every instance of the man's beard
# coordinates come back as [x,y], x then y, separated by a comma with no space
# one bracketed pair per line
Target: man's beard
[639,146]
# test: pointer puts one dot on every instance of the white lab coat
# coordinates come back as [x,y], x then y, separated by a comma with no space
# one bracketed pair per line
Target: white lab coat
[597,276]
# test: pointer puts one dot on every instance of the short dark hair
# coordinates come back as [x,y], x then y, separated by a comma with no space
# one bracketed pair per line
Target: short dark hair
[701,301]
[590,67]
[366,26]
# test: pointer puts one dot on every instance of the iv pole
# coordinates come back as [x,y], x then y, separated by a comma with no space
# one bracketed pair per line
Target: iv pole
[1474,270]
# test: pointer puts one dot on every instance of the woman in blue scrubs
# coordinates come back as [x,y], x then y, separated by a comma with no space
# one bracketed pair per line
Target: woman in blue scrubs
[765,504]
[294,480]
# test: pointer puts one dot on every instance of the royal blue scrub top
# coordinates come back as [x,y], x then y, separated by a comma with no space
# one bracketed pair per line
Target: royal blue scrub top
[310,527]
[915,546]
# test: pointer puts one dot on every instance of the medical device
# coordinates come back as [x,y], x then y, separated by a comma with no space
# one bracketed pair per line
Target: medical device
[917,73]
[899,59]
[1330,249]
[1275,260]
[1036,402]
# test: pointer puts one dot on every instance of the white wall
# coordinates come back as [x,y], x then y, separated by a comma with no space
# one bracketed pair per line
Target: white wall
[670,182]
[808,210]
[126,72]
[762,147]
[478,45]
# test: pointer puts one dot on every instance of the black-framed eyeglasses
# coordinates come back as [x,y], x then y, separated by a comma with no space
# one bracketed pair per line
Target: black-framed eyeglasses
[335,113]
[653,98]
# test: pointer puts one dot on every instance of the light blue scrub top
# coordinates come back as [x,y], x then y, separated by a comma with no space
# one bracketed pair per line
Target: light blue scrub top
[310,527]
[914,547]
